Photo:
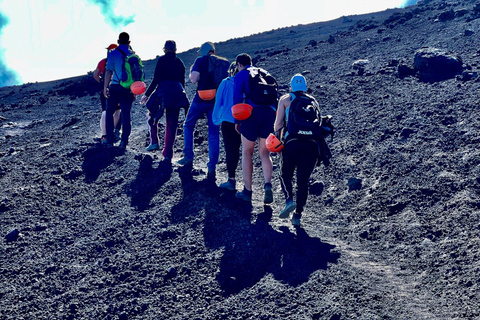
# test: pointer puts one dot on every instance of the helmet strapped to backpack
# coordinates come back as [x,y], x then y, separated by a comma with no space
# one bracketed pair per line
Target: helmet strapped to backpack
[273,144]
[138,87]
[242,111]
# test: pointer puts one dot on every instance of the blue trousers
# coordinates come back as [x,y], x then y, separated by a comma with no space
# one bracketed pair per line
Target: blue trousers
[197,109]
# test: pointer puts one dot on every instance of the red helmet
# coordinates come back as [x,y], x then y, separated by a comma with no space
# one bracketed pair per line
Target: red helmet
[207,95]
[242,111]
[138,87]
[273,144]
[112,46]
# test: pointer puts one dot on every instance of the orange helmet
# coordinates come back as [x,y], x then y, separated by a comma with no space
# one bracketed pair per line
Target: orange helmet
[273,144]
[242,111]
[138,87]
[207,95]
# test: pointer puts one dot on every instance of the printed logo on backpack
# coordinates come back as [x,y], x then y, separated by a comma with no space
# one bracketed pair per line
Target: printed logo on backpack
[304,118]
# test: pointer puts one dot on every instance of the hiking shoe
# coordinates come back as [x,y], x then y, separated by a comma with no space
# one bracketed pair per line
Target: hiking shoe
[289,208]
[185,161]
[244,195]
[122,145]
[296,220]
[106,144]
[152,147]
[229,185]
[268,194]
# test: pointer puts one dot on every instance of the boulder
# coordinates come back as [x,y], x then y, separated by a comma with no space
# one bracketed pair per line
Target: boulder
[435,65]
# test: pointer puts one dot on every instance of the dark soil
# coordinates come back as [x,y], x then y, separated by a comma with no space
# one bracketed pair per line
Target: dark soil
[94,233]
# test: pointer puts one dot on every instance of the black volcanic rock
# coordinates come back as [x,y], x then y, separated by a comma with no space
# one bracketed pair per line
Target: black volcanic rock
[435,65]
[111,234]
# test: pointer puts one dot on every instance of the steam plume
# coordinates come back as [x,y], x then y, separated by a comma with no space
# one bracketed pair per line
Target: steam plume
[106,7]
[407,3]
[8,77]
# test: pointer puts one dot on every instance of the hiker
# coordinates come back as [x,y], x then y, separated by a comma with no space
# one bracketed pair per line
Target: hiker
[166,92]
[117,96]
[98,74]
[256,128]
[222,115]
[202,104]
[300,153]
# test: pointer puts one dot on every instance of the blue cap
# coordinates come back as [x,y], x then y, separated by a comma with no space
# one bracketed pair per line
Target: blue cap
[298,83]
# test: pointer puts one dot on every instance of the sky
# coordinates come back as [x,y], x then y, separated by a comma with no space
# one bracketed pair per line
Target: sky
[43,40]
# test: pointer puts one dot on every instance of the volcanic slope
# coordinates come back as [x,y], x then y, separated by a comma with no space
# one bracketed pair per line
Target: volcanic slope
[94,233]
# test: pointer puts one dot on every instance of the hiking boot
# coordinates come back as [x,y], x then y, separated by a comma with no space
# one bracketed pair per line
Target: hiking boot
[185,161]
[229,185]
[268,194]
[296,219]
[289,208]
[244,195]
[152,147]
[122,145]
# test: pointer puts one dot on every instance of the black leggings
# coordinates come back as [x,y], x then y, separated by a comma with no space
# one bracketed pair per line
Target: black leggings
[302,155]
[232,142]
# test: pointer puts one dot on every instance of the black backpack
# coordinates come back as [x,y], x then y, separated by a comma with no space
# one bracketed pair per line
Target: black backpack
[262,87]
[304,118]
[217,70]
[306,122]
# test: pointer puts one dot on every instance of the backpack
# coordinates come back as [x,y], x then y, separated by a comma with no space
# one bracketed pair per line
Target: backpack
[132,70]
[304,118]
[306,122]
[217,69]
[262,87]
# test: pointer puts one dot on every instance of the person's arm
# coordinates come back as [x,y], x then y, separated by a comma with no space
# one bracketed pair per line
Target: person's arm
[219,104]
[182,72]
[155,81]
[96,75]
[283,104]
[194,76]
[106,83]
[239,86]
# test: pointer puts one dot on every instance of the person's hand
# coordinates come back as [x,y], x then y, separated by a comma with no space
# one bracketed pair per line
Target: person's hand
[144,99]
[106,93]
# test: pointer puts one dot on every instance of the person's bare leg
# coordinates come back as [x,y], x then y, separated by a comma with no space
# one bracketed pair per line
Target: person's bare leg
[116,117]
[247,162]
[102,124]
[267,165]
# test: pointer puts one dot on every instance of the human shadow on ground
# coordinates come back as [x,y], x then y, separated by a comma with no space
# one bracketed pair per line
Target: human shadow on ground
[251,249]
[148,181]
[202,195]
[254,249]
[96,159]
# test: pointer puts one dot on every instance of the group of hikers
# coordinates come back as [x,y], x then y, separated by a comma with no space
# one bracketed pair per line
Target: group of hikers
[238,98]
